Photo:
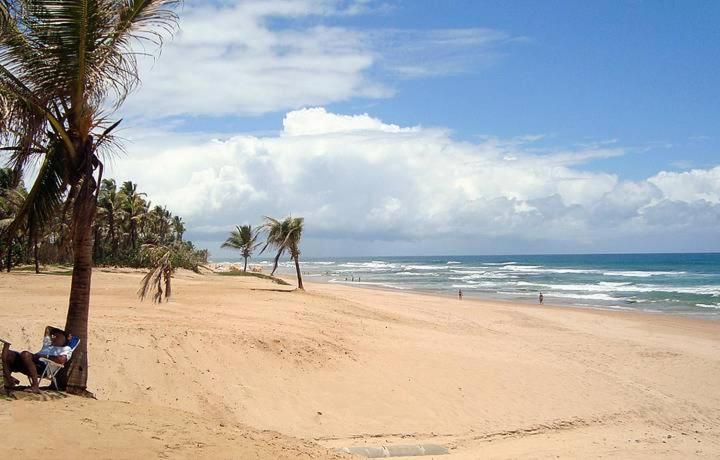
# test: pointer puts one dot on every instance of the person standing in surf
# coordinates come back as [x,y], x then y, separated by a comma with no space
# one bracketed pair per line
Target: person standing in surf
[541,298]
[460,294]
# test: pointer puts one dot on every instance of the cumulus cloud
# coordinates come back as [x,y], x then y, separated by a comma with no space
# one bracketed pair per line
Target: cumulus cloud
[688,186]
[240,58]
[358,178]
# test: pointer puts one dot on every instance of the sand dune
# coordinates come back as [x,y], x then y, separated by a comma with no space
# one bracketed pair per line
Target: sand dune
[342,366]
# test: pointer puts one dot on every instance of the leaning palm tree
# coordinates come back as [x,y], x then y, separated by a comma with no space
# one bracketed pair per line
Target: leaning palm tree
[285,236]
[65,67]
[163,260]
[244,239]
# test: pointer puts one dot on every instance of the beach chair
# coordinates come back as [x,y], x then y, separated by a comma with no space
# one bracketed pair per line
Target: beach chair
[52,368]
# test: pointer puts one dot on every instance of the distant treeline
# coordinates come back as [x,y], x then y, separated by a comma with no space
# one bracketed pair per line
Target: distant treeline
[127,232]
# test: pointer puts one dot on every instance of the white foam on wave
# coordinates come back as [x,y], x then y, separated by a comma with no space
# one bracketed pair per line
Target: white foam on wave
[541,269]
[491,264]
[363,270]
[618,307]
[582,296]
[712,290]
[425,267]
[640,273]
[707,305]
[469,286]
[452,262]
[374,265]
[473,276]
[406,273]
[484,274]
[368,283]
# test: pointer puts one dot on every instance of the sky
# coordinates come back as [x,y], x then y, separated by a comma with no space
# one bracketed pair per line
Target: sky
[431,127]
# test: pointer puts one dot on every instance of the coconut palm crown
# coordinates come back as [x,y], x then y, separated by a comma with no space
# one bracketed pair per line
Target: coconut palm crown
[65,67]
[284,236]
[244,239]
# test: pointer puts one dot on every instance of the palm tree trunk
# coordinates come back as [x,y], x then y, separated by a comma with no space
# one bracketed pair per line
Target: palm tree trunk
[35,255]
[245,268]
[297,269]
[96,244]
[75,379]
[277,258]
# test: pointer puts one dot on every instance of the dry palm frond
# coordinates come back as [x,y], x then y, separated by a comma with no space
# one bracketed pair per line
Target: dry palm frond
[158,277]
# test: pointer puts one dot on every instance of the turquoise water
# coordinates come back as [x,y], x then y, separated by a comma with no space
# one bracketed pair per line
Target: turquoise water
[671,283]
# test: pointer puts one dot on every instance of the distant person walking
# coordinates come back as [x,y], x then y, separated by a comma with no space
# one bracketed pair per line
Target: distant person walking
[541,298]
[459,294]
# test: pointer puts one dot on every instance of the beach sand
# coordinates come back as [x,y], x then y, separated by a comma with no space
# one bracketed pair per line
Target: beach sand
[228,358]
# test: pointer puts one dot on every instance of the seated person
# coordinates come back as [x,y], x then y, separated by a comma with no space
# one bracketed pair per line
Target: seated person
[54,348]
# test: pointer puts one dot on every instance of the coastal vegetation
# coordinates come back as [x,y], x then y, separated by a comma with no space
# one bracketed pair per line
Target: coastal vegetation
[284,236]
[65,68]
[244,239]
[281,235]
[127,231]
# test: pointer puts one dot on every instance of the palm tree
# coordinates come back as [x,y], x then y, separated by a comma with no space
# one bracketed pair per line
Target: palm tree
[178,228]
[285,236]
[65,67]
[244,239]
[135,207]
[163,260]
[109,204]
[11,202]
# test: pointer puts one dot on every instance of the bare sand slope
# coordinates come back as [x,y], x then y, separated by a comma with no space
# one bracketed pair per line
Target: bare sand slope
[116,430]
[347,366]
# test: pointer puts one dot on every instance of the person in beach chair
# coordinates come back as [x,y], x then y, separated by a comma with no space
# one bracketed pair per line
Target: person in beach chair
[56,350]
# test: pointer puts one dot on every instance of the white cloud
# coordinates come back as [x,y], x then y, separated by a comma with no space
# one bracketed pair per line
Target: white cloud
[432,53]
[317,120]
[232,58]
[697,184]
[357,177]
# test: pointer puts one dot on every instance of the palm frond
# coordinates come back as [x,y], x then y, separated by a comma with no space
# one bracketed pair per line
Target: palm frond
[44,199]
[158,277]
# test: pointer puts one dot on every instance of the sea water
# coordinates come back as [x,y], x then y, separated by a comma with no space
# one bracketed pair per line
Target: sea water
[671,283]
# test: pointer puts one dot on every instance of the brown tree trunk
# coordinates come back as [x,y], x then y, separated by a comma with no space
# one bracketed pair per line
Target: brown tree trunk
[277,258]
[75,379]
[245,268]
[296,258]
[35,255]
[96,243]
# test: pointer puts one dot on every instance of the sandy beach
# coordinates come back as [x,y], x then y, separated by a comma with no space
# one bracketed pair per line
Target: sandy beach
[239,367]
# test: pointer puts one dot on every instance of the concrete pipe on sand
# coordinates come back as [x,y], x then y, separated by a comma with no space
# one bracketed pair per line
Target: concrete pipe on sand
[396,451]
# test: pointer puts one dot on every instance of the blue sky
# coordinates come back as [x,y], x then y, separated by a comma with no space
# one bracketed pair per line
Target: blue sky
[615,97]
[642,74]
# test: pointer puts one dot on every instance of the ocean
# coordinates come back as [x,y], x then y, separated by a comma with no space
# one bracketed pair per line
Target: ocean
[687,284]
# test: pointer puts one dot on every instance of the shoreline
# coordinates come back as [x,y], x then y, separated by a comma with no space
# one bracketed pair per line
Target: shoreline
[320,279]
[659,318]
